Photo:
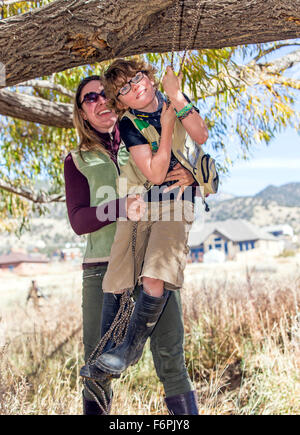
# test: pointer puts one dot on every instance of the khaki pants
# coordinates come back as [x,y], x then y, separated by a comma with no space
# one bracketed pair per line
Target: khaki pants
[161,247]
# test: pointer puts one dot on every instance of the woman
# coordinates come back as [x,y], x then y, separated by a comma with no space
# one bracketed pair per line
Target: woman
[87,170]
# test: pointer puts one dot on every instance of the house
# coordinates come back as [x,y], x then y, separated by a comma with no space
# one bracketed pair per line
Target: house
[16,259]
[231,237]
[284,230]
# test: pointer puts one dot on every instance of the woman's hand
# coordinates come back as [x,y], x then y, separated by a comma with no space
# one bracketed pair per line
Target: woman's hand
[183,177]
[135,207]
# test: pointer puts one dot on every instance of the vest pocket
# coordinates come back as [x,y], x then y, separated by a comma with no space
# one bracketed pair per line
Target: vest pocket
[92,275]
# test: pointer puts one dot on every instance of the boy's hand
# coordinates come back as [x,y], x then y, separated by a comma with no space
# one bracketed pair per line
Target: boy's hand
[168,115]
[171,82]
[135,207]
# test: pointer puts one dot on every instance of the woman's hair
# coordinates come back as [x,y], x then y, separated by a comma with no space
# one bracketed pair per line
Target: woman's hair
[117,75]
[88,138]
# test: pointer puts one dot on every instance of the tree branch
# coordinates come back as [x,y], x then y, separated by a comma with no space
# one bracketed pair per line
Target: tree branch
[69,33]
[284,62]
[276,47]
[36,197]
[47,84]
[254,74]
[11,2]
[35,109]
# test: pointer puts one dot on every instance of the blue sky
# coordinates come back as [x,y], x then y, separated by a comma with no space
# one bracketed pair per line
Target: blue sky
[277,164]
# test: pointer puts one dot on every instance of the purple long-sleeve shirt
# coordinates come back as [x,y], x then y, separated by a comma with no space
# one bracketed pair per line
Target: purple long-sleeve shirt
[83,217]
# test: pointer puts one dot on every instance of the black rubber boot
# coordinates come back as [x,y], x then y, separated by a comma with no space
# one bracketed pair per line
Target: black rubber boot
[110,308]
[183,404]
[145,315]
[91,407]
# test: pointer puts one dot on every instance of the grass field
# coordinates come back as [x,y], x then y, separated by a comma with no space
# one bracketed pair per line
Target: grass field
[242,344]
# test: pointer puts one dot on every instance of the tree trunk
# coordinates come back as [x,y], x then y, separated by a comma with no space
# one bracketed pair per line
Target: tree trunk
[34,109]
[69,33]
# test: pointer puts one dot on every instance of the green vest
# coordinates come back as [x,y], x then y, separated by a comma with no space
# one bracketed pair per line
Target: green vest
[187,152]
[101,174]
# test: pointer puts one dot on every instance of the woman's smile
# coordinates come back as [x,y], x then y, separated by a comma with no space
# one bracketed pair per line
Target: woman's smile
[104,112]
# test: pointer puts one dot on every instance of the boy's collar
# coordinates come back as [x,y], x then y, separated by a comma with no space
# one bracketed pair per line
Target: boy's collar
[160,98]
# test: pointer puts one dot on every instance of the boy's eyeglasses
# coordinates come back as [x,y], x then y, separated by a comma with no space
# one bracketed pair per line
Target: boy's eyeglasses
[92,97]
[136,79]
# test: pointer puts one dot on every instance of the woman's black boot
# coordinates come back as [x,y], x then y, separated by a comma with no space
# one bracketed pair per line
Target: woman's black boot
[91,407]
[182,404]
[145,315]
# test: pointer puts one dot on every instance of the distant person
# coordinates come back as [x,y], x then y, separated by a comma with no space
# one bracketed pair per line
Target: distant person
[34,294]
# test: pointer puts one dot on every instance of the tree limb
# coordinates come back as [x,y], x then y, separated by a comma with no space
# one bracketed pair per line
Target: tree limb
[36,197]
[47,84]
[10,2]
[35,109]
[68,33]
[276,47]
[254,74]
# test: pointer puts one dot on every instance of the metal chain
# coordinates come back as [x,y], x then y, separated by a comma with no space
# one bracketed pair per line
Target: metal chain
[195,20]
[104,407]
[117,331]
[175,31]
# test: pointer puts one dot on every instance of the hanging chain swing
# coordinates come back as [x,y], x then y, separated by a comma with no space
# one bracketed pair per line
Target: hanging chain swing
[119,326]
[195,21]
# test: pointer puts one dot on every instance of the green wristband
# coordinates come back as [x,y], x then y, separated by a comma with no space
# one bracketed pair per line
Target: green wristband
[185,109]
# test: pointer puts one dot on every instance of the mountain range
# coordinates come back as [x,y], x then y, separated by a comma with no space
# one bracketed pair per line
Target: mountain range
[272,205]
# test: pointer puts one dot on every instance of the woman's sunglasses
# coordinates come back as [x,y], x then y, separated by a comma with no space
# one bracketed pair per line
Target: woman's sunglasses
[92,97]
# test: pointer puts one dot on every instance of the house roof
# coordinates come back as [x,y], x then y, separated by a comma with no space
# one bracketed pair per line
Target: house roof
[20,257]
[284,228]
[236,230]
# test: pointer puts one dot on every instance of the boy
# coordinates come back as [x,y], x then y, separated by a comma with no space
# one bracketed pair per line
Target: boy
[153,133]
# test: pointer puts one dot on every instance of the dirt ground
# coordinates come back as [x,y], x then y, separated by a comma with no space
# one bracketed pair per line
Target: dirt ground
[64,278]
[53,279]
[249,263]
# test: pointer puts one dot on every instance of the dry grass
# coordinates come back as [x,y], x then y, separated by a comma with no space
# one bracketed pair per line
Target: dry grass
[243,345]
[242,351]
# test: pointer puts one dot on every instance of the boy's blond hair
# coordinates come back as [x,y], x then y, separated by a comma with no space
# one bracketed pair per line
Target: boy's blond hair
[117,75]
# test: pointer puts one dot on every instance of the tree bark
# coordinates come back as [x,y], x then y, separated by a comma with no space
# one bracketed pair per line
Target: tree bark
[69,33]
